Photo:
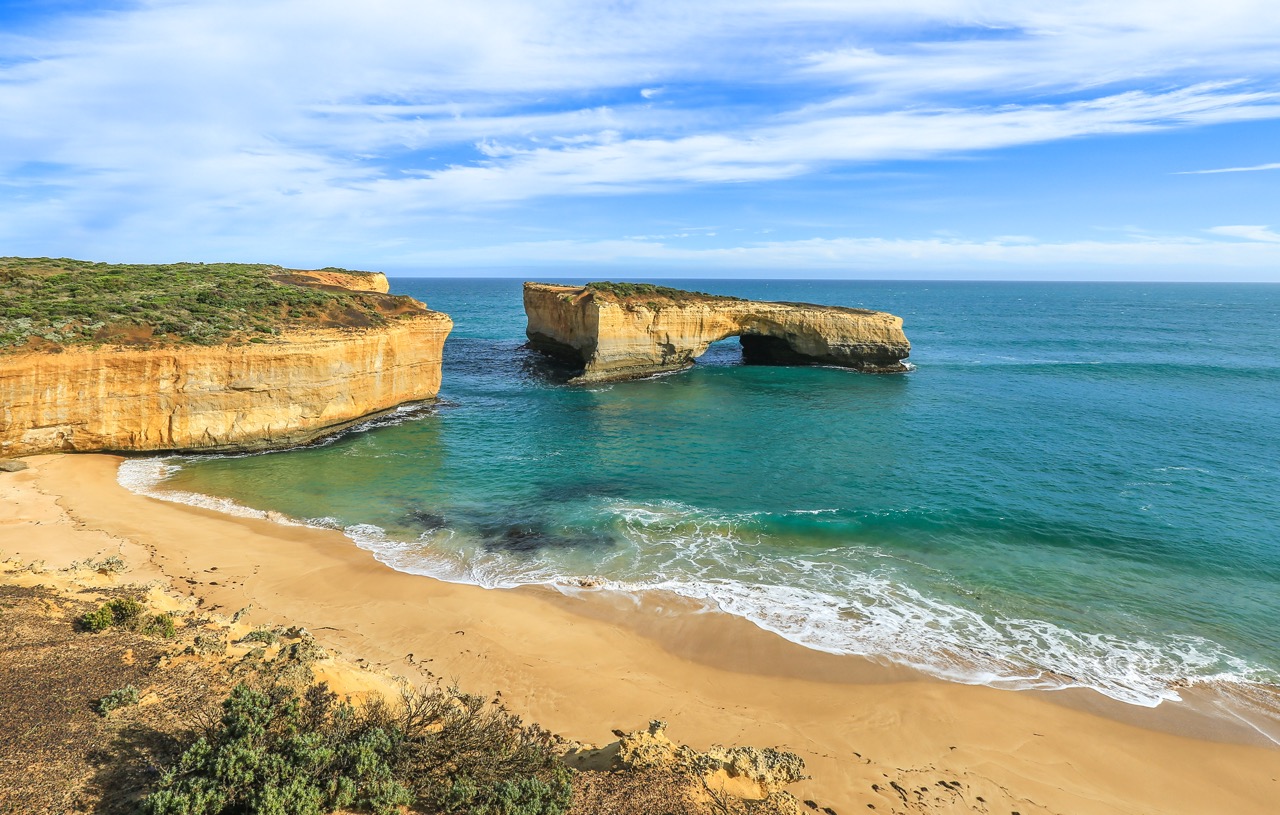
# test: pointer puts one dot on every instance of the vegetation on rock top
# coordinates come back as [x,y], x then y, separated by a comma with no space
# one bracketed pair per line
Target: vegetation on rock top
[632,290]
[59,301]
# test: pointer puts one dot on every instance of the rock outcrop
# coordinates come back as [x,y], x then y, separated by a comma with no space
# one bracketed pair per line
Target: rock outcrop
[736,779]
[249,396]
[625,331]
[337,279]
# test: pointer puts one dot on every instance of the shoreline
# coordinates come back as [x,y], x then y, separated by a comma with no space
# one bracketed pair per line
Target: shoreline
[685,625]
[579,668]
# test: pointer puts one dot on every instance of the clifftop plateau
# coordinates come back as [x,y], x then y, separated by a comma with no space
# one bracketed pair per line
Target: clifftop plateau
[223,357]
[47,303]
[619,331]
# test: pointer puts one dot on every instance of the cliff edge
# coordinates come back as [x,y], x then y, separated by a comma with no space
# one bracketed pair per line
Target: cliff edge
[616,331]
[318,358]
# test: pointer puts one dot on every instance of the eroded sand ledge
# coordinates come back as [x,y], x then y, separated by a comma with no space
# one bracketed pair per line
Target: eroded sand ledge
[570,665]
[615,334]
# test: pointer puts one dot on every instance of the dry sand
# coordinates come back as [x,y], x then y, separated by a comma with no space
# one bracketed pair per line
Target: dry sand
[874,739]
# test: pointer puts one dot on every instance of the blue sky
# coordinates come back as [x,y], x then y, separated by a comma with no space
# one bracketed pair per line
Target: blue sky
[1134,140]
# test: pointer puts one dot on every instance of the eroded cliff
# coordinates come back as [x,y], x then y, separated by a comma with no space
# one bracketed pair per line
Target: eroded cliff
[290,388]
[624,331]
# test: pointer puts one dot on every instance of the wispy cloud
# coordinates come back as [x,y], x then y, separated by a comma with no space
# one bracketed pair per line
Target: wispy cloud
[1249,233]
[914,258]
[794,148]
[1252,169]
[262,123]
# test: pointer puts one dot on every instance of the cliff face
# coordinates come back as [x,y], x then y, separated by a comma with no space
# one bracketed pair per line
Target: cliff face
[622,337]
[375,282]
[220,398]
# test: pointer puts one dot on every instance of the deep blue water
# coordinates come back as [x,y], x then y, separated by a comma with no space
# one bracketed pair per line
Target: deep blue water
[1077,484]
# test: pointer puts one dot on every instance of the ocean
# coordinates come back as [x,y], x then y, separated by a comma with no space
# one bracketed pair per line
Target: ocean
[1077,486]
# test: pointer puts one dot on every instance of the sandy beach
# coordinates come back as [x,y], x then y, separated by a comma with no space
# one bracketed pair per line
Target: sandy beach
[873,738]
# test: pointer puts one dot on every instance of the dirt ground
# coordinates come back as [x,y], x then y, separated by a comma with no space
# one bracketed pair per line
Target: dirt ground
[59,755]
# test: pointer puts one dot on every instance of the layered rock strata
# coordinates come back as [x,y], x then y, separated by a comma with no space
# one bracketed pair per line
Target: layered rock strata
[251,396]
[614,336]
[337,280]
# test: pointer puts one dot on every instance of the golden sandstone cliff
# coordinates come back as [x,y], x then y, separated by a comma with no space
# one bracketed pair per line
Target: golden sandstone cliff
[290,389]
[624,331]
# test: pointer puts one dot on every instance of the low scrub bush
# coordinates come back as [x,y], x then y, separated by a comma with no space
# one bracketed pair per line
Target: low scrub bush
[275,751]
[159,625]
[263,635]
[118,698]
[128,612]
[122,611]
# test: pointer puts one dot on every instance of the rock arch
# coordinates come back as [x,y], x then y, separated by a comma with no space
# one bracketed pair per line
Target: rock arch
[625,331]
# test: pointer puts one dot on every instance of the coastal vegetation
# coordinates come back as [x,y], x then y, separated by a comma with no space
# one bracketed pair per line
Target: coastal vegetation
[118,698]
[59,301]
[625,291]
[222,718]
[275,750]
[130,613]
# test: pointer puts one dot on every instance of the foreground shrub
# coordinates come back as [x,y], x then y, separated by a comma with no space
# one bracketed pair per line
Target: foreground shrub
[263,635]
[276,752]
[128,612]
[98,620]
[122,611]
[121,697]
[158,625]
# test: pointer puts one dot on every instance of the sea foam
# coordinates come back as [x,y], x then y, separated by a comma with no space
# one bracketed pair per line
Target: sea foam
[816,603]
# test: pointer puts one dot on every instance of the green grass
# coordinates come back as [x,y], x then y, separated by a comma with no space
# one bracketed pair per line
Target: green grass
[630,290]
[74,302]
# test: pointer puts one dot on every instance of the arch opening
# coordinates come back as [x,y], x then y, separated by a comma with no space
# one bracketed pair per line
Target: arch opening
[724,352]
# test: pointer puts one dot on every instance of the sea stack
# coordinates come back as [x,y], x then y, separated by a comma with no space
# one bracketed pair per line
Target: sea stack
[617,331]
[303,365]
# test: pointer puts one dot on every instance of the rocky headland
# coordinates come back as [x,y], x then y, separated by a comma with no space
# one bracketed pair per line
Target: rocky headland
[212,358]
[616,331]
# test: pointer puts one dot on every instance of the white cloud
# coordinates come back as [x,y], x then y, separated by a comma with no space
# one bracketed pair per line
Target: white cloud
[787,150]
[1045,47]
[1249,233]
[1252,169]
[997,258]
[289,122]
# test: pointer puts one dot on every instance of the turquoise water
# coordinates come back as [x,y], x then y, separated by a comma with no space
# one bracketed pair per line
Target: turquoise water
[1076,486]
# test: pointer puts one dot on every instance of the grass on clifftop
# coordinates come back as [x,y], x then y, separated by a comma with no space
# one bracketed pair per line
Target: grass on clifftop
[626,291]
[58,301]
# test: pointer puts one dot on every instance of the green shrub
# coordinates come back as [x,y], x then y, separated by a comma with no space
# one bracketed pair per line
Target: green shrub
[159,625]
[98,620]
[266,636]
[206,644]
[121,697]
[122,611]
[277,752]
[112,564]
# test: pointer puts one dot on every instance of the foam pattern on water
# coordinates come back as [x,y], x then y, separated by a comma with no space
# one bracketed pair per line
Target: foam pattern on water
[817,601]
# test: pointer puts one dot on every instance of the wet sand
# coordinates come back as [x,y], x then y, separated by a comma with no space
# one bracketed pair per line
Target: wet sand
[585,665]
